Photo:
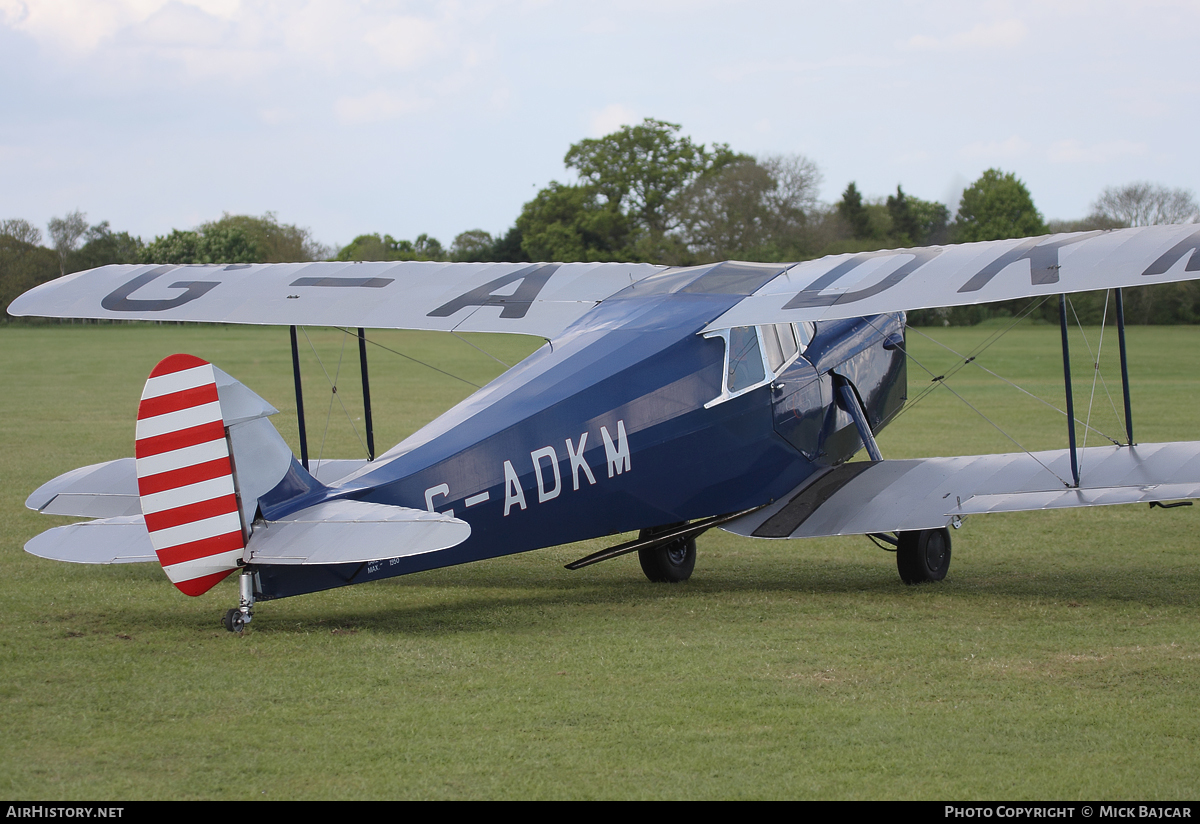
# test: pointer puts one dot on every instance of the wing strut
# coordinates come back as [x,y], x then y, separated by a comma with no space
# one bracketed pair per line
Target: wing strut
[852,405]
[1124,367]
[1062,317]
[366,382]
[299,399]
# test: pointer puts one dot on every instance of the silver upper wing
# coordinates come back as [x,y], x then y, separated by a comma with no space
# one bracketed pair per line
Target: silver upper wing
[544,298]
[536,299]
[871,283]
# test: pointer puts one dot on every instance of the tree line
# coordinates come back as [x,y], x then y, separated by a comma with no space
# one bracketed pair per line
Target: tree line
[649,193]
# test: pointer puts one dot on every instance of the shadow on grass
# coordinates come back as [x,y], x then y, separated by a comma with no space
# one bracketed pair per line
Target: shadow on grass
[509,594]
[475,604]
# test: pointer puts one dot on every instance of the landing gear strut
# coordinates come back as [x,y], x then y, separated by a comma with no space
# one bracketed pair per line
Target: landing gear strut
[924,556]
[235,620]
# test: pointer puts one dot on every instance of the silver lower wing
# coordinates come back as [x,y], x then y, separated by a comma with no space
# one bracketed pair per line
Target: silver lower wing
[928,493]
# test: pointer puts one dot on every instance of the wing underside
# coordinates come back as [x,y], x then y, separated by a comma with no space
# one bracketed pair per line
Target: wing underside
[928,493]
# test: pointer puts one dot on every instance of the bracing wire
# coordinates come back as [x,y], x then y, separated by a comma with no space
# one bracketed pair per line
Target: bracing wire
[1097,375]
[965,359]
[423,363]
[333,393]
[941,379]
[975,353]
[484,351]
[332,381]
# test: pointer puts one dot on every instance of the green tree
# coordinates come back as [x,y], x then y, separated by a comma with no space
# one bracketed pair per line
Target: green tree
[427,248]
[932,221]
[917,222]
[725,214]
[850,208]
[997,206]
[230,243]
[569,223]
[22,230]
[638,171]
[225,244]
[905,228]
[178,247]
[472,245]
[509,248]
[232,239]
[103,246]
[750,209]
[23,265]
[368,247]
[374,247]
[276,242]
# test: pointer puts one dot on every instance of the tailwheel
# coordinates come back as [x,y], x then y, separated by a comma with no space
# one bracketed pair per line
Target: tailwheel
[669,563]
[923,556]
[235,620]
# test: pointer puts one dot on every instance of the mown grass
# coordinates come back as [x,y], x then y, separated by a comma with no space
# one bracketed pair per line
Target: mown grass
[1058,660]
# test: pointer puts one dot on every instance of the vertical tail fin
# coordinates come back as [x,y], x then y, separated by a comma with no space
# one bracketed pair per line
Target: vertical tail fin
[207,461]
[185,475]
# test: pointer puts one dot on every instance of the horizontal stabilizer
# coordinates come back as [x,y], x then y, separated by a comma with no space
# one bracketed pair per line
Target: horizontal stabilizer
[928,493]
[339,532]
[103,490]
[109,490]
[334,532]
[120,540]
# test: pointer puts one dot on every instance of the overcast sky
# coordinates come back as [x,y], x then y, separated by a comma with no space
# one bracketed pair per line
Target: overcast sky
[351,116]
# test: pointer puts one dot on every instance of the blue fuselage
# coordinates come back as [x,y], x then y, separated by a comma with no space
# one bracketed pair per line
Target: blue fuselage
[606,430]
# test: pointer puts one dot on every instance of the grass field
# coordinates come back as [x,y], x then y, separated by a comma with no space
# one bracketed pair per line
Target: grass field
[1059,660]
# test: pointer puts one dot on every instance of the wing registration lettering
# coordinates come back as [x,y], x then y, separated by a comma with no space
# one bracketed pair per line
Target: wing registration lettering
[1042,257]
[344,283]
[810,296]
[515,305]
[118,299]
[1188,244]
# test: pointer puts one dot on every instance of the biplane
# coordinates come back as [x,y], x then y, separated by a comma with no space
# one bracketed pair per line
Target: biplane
[665,401]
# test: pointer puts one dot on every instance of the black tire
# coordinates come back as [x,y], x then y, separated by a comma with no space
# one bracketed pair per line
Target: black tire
[923,557]
[233,620]
[671,563]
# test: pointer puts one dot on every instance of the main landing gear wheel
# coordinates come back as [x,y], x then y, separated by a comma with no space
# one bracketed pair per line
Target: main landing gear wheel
[924,556]
[669,563]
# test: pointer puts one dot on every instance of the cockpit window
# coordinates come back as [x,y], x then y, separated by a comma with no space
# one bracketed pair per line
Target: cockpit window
[745,367]
[780,340]
[755,355]
[805,332]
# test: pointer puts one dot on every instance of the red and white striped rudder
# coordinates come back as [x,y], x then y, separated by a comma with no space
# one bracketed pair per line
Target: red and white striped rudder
[185,476]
